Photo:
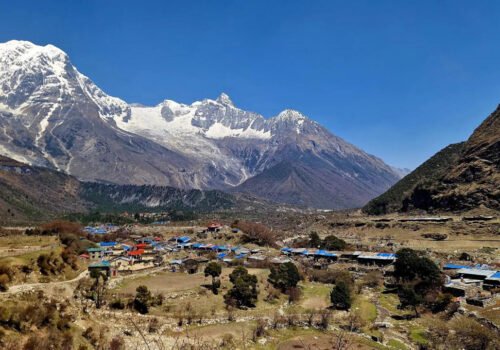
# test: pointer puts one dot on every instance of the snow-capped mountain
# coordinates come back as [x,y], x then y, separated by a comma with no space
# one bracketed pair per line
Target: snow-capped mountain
[54,116]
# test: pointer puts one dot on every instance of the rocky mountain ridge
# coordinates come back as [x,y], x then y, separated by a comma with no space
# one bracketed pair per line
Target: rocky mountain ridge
[54,116]
[461,177]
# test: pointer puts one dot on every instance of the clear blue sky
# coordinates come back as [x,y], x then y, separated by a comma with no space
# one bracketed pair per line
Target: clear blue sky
[400,79]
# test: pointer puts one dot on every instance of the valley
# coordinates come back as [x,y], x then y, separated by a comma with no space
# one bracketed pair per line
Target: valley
[192,222]
[183,311]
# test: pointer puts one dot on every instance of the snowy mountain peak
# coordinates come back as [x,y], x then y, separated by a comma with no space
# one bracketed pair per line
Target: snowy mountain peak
[225,100]
[28,51]
[52,115]
[291,114]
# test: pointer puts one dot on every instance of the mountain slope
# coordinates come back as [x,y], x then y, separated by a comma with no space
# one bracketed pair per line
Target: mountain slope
[134,197]
[53,116]
[32,194]
[460,177]
[432,169]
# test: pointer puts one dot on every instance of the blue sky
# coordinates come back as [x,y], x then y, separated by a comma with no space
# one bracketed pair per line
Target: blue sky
[400,79]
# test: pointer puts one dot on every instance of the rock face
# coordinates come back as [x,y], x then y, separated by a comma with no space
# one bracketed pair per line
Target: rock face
[53,116]
[460,177]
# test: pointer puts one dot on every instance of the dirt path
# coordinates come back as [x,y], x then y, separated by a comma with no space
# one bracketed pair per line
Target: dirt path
[384,315]
[28,287]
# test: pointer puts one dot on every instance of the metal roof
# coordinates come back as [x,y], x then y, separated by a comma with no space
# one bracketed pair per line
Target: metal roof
[103,263]
[378,256]
[107,244]
[455,267]
[93,250]
[494,277]
[476,272]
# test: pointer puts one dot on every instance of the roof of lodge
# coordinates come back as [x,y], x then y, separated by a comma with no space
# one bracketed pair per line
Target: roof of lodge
[92,250]
[103,263]
[107,244]
[494,277]
[136,252]
[455,267]
[378,256]
[477,272]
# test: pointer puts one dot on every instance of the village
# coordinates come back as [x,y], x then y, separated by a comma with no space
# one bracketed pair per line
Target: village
[468,282]
[174,282]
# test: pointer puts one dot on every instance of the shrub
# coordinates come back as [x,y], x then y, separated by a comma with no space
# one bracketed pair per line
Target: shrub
[341,296]
[244,291]
[260,329]
[4,281]
[60,226]
[117,304]
[314,240]
[332,242]
[227,341]
[272,294]
[214,269]
[284,276]
[255,233]
[142,299]
[117,343]
[372,279]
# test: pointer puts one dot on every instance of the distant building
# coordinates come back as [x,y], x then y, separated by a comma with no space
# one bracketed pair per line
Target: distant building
[214,226]
[101,266]
[377,258]
[475,274]
[96,253]
[492,281]
[136,255]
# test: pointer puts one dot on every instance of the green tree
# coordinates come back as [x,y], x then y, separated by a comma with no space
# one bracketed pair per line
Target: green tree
[284,276]
[142,299]
[408,297]
[341,296]
[412,266]
[314,240]
[214,269]
[244,291]
[332,242]
[420,279]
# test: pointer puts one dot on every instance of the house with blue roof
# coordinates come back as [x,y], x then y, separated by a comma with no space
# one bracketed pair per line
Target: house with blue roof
[183,239]
[454,267]
[380,259]
[323,254]
[493,281]
[107,244]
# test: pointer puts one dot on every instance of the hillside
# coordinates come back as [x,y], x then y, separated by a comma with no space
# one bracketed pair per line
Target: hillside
[31,194]
[109,197]
[460,177]
[474,181]
[432,169]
